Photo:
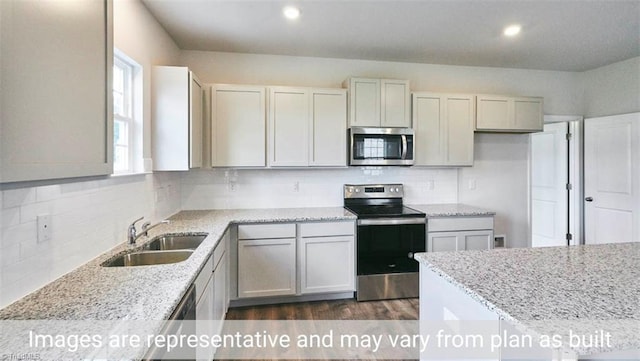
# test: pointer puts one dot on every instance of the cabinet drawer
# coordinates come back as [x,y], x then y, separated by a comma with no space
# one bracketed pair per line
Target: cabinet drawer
[459,224]
[260,231]
[324,229]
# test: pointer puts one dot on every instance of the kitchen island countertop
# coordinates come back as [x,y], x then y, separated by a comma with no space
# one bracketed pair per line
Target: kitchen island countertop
[547,289]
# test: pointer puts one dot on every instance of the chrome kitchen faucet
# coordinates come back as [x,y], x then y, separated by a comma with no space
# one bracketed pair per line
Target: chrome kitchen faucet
[146,227]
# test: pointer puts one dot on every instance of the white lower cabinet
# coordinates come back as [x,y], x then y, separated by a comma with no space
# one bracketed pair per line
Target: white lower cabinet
[288,259]
[459,234]
[326,257]
[266,267]
[204,307]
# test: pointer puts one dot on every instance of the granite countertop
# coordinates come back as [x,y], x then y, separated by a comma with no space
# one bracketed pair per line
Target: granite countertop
[93,292]
[546,290]
[450,210]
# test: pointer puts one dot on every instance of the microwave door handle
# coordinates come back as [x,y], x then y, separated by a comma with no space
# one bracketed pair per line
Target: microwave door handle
[404,146]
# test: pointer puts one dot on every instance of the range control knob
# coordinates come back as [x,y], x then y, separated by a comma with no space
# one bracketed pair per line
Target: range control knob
[350,189]
[397,189]
[357,190]
[391,190]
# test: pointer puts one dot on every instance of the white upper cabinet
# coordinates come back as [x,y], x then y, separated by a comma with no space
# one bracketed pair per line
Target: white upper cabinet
[509,114]
[177,119]
[395,103]
[238,126]
[288,126]
[307,127]
[443,125]
[328,146]
[56,103]
[379,102]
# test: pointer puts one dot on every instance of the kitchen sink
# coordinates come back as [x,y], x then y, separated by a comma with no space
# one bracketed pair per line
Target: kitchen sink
[174,242]
[148,258]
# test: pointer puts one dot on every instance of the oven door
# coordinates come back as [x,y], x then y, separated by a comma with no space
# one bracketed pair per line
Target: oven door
[387,245]
[381,146]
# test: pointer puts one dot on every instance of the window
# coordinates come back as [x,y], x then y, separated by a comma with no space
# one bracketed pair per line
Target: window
[127,133]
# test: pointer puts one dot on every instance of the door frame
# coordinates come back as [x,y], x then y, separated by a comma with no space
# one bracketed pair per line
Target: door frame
[576,177]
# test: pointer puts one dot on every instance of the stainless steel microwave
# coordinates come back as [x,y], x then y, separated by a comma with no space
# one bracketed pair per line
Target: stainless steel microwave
[381,146]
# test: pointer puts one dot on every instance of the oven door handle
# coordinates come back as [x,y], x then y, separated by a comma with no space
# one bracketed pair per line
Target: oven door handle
[391,221]
[404,147]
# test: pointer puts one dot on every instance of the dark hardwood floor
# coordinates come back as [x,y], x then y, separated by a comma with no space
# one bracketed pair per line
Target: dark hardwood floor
[350,309]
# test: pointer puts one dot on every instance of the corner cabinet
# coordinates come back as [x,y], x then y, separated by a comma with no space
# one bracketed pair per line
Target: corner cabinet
[379,102]
[459,233]
[509,114]
[307,127]
[56,104]
[177,119]
[238,126]
[443,125]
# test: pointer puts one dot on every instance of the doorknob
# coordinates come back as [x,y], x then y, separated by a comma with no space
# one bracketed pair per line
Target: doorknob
[589,199]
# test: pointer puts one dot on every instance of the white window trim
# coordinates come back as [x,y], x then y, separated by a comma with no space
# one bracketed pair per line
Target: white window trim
[135,122]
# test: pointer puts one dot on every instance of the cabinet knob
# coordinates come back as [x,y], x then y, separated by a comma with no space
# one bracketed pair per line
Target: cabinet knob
[589,199]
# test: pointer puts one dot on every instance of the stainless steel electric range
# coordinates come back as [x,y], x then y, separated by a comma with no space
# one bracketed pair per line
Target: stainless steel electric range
[388,234]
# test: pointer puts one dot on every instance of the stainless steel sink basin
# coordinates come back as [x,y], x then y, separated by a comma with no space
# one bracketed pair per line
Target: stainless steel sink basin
[148,258]
[173,242]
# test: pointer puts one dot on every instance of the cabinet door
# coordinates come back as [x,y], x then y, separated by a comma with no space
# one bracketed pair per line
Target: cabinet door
[238,126]
[528,114]
[493,113]
[442,241]
[443,126]
[364,102]
[266,267]
[395,103]
[56,74]
[429,129]
[204,316]
[475,240]
[288,127]
[460,115]
[326,264]
[195,122]
[328,126]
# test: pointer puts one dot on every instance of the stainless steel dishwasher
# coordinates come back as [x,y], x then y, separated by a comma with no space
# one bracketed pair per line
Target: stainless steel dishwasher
[185,311]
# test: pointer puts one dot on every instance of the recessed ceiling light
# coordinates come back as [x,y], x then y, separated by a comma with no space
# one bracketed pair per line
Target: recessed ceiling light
[512,30]
[291,12]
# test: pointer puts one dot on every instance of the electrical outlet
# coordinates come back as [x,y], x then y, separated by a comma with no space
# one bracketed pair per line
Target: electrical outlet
[472,184]
[44,228]
[232,186]
[296,186]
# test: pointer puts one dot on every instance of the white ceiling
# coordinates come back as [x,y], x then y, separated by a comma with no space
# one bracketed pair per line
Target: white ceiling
[556,35]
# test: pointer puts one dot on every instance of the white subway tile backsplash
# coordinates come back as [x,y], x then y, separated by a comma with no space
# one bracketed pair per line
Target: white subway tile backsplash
[87,219]
[47,193]
[267,188]
[10,217]
[18,197]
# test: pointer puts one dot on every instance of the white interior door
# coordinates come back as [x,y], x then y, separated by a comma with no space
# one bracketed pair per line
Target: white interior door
[549,179]
[612,179]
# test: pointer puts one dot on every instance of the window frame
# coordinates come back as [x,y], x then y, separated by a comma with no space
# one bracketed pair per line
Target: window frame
[131,104]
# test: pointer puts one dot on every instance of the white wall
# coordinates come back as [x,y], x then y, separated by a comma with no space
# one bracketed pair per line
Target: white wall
[562,90]
[612,89]
[500,173]
[88,217]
